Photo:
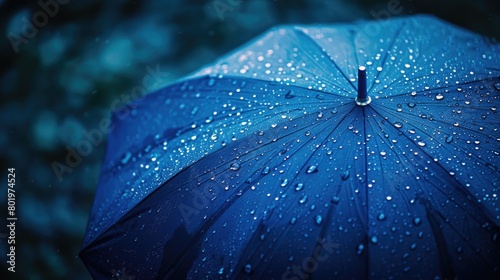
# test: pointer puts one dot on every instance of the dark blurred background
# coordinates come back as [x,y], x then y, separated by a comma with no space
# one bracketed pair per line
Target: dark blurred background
[65,65]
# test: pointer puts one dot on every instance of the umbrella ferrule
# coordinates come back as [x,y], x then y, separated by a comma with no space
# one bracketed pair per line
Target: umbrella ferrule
[362,99]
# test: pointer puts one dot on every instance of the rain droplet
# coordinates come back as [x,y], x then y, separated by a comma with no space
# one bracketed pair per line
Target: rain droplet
[221,270]
[284,183]
[383,153]
[417,221]
[126,158]
[266,170]
[497,86]
[381,217]
[439,96]
[235,166]
[335,199]
[248,269]
[345,175]
[293,220]
[318,220]
[303,199]
[361,248]
[398,125]
[312,169]
[211,82]
[412,105]
[421,143]
[449,139]
[299,186]
[374,240]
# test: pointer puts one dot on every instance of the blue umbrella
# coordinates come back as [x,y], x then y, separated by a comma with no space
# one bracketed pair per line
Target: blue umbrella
[367,150]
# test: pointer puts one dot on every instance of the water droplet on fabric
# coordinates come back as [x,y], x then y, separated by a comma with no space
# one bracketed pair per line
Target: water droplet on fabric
[248,269]
[439,96]
[299,186]
[361,249]
[126,158]
[449,139]
[318,219]
[345,175]
[235,166]
[398,125]
[284,183]
[335,199]
[266,170]
[312,169]
[497,86]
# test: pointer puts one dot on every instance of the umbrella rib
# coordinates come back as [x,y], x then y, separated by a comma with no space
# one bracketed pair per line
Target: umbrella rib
[435,120]
[240,261]
[473,248]
[367,230]
[442,87]
[463,187]
[304,35]
[459,205]
[328,217]
[465,240]
[443,144]
[399,156]
[396,35]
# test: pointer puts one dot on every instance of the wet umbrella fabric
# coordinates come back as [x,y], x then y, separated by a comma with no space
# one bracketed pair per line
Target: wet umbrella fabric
[265,166]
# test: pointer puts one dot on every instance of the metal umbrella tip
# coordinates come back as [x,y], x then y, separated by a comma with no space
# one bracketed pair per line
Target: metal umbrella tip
[362,99]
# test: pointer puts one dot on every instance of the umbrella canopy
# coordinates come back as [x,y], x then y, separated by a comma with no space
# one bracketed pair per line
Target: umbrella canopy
[286,160]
